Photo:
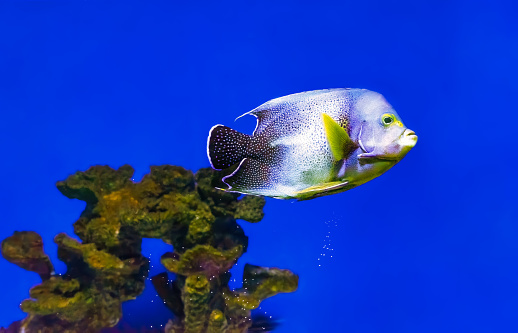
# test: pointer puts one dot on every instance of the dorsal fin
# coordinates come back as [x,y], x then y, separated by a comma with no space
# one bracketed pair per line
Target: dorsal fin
[339,141]
[264,117]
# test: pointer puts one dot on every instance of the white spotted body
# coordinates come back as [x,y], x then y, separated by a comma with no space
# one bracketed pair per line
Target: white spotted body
[291,154]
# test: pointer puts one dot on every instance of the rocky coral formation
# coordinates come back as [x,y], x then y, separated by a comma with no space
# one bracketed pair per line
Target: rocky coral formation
[106,267]
[25,249]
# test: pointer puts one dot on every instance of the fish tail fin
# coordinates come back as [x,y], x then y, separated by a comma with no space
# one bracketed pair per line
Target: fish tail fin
[226,147]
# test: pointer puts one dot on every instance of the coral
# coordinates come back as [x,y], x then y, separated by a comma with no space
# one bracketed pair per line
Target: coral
[202,259]
[105,267]
[259,283]
[25,249]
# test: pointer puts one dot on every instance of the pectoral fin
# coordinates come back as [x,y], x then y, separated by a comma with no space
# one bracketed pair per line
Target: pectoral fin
[339,141]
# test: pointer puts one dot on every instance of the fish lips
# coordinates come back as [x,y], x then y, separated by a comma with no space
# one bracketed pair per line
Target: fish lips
[408,138]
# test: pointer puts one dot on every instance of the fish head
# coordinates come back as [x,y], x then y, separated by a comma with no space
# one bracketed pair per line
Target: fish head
[382,134]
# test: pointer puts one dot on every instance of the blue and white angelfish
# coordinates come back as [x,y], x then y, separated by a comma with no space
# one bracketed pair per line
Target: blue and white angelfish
[311,144]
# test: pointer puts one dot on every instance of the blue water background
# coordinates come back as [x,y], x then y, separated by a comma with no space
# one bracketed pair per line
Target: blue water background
[431,246]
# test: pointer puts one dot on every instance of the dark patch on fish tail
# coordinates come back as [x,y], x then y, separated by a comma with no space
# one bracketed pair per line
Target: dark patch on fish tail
[226,146]
[248,163]
[261,149]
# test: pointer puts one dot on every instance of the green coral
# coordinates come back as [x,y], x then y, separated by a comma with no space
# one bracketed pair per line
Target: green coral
[250,209]
[195,296]
[260,283]
[25,249]
[217,322]
[225,310]
[65,303]
[105,267]
[202,259]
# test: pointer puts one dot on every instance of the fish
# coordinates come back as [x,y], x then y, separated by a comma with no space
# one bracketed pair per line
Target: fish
[311,144]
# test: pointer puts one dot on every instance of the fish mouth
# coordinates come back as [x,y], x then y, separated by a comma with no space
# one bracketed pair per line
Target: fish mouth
[408,132]
[408,138]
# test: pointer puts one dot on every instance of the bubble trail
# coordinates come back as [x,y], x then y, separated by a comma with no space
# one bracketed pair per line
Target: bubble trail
[327,248]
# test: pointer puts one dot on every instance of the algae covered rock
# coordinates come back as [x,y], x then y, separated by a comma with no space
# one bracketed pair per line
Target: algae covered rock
[211,258]
[105,266]
[25,249]
[89,296]
[260,283]
[202,259]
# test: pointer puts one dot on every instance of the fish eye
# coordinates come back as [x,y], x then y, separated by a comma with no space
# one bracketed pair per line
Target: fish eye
[387,119]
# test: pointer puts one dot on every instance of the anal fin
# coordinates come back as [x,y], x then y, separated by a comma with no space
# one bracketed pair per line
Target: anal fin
[251,177]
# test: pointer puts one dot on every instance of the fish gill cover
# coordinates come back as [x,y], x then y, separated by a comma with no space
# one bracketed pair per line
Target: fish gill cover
[107,268]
